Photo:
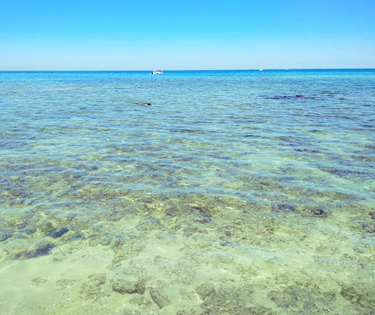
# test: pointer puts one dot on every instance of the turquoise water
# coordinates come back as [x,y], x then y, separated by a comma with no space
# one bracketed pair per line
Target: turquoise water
[225,170]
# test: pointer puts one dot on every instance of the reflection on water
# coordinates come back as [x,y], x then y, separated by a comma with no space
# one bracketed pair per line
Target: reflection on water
[227,195]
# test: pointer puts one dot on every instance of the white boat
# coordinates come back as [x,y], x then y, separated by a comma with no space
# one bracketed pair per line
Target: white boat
[157,72]
[261,70]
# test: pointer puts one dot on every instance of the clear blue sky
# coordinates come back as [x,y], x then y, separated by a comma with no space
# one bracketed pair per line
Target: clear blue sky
[188,34]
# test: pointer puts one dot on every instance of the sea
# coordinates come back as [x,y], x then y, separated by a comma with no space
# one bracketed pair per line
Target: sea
[189,192]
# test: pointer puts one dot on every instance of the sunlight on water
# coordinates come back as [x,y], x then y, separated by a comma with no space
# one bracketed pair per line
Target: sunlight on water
[227,195]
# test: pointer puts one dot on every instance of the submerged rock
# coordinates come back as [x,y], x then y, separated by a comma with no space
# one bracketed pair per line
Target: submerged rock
[159,297]
[40,251]
[259,311]
[204,290]
[319,212]
[189,312]
[230,300]
[91,289]
[4,235]
[129,287]
[46,227]
[349,293]
[362,298]
[58,233]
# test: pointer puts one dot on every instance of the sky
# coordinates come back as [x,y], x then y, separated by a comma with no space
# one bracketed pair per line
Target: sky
[186,35]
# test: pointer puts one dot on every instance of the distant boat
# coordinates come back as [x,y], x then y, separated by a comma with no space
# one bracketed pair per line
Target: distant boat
[260,70]
[157,72]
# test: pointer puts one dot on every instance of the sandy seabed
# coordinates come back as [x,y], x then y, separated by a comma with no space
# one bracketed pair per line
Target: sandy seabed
[194,254]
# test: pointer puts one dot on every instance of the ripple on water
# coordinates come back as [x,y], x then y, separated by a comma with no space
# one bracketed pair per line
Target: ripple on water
[221,181]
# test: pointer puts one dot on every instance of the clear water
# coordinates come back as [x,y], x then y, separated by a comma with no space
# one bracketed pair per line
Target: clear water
[227,195]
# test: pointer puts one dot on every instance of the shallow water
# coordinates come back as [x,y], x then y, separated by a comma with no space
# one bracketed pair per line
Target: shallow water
[227,195]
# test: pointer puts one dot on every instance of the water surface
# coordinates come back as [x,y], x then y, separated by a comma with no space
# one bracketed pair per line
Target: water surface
[227,195]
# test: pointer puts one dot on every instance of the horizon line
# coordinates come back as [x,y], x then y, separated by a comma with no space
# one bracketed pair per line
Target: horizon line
[147,70]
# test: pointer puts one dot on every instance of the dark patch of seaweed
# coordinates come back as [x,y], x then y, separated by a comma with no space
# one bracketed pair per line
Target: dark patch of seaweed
[41,251]
[58,232]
